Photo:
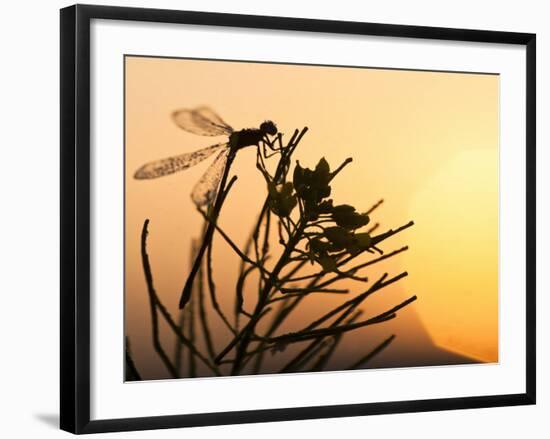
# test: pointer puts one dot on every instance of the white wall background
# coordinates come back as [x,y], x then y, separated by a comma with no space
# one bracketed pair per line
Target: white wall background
[29,205]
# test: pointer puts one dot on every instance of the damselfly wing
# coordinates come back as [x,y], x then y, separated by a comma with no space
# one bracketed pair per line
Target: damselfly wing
[206,188]
[202,121]
[205,122]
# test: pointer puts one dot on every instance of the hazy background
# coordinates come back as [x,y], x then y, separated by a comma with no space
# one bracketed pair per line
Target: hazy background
[426,142]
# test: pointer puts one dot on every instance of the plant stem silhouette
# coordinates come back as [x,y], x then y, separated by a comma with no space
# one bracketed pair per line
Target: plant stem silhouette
[299,225]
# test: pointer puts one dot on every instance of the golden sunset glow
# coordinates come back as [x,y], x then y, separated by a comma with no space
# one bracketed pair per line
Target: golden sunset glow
[425,142]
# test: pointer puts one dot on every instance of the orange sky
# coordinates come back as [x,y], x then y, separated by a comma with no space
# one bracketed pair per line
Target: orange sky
[426,142]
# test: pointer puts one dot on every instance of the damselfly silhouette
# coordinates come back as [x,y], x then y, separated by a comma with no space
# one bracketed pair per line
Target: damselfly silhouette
[205,122]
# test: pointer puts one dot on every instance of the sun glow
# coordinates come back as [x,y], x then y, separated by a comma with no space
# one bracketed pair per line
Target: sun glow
[458,296]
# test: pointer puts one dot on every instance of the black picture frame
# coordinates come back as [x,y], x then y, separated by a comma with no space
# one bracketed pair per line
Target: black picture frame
[75,217]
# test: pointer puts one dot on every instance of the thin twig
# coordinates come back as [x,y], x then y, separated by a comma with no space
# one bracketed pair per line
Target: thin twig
[178,351]
[311,355]
[158,304]
[326,292]
[191,331]
[239,298]
[372,354]
[292,337]
[203,316]
[324,358]
[313,290]
[339,168]
[377,239]
[132,373]
[235,247]
[345,261]
[363,265]
[153,306]
[373,228]
[375,206]
[178,346]
[354,302]
[212,287]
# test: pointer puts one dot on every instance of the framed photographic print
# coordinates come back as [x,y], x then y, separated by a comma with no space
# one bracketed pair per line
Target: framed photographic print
[268,218]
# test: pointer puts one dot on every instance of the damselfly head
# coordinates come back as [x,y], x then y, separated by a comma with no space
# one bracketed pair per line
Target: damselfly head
[269,127]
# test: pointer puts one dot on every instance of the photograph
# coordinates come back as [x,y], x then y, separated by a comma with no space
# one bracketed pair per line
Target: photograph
[271,220]
[297,218]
